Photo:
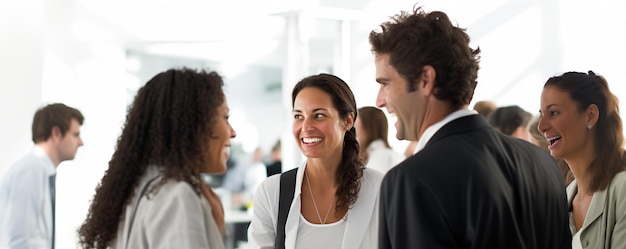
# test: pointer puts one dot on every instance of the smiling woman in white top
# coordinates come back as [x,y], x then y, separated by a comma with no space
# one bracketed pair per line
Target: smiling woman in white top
[371,131]
[335,201]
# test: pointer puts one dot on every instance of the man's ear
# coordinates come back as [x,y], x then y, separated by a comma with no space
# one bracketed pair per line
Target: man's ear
[56,133]
[427,81]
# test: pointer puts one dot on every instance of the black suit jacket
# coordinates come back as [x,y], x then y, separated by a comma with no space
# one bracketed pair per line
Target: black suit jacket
[474,187]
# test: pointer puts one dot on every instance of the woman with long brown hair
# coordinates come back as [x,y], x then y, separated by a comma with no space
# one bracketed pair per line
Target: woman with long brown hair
[580,119]
[335,200]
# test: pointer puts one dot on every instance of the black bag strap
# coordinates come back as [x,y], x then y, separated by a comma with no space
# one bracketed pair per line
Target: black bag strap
[287,189]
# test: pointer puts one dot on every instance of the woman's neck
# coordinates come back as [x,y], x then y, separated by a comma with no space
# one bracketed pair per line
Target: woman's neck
[579,166]
[322,172]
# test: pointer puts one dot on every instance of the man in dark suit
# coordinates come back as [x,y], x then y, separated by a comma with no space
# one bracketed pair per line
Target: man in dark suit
[468,186]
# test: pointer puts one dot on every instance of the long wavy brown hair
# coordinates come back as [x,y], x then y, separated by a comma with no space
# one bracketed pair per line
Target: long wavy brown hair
[351,167]
[167,125]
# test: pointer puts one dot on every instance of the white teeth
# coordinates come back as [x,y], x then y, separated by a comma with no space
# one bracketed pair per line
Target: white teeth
[311,140]
[553,139]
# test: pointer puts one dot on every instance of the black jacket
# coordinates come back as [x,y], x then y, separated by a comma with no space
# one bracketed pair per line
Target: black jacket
[474,187]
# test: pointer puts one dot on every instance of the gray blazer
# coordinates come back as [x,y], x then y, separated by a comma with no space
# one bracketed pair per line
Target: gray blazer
[605,222]
[173,217]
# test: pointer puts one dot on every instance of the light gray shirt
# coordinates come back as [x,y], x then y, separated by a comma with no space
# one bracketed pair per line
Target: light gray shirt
[26,204]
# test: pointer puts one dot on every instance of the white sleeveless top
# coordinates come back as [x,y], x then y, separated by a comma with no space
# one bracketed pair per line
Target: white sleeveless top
[314,236]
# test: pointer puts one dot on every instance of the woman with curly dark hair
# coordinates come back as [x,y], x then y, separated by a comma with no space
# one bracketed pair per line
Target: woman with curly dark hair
[152,195]
[335,201]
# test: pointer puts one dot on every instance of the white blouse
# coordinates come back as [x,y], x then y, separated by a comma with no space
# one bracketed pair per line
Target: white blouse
[576,234]
[312,236]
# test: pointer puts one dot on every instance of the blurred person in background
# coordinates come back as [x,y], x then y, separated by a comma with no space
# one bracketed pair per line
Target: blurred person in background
[484,108]
[27,191]
[153,194]
[275,165]
[511,120]
[244,178]
[371,131]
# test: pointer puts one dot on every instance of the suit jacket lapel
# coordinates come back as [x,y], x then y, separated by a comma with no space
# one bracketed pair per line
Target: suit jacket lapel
[596,207]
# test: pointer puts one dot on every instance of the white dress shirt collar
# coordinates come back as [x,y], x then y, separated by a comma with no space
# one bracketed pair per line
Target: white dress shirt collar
[431,130]
[49,165]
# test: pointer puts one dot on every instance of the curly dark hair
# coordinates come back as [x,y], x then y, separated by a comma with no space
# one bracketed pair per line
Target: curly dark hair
[351,167]
[591,89]
[167,125]
[415,40]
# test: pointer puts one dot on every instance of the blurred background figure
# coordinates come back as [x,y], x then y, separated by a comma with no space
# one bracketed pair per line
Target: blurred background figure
[275,165]
[511,120]
[28,190]
[371,132]
[255,174]
[538,139]
[484,107]
[241,182]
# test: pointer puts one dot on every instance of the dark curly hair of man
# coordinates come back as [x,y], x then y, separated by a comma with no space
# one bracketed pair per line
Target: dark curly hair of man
[414,40]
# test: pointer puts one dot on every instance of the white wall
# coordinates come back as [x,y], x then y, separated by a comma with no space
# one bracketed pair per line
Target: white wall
[44,61]
[21,63]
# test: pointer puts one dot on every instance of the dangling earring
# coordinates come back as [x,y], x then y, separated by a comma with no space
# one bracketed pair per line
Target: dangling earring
[589,127]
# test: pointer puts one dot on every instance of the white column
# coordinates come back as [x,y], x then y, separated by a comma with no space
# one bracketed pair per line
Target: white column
[296,67]
[342,52]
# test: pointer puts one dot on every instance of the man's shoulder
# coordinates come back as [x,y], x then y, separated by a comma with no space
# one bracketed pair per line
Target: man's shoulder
[27,165]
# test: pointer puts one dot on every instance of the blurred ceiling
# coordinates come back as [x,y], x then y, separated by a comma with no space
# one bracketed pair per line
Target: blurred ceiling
[222,31]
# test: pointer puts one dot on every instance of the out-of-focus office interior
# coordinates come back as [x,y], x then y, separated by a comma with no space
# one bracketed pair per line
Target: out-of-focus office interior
[95,55]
